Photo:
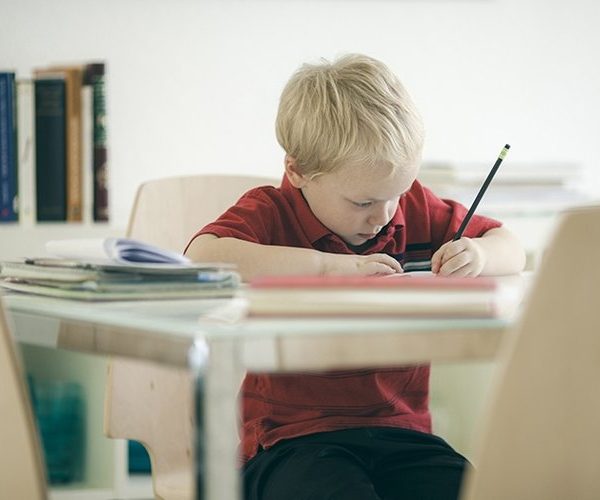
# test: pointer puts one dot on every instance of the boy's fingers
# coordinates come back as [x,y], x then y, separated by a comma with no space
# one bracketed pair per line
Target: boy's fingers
[380,268]
[381,264]
[446,253]
[453,249]
[455,265]
[390,261]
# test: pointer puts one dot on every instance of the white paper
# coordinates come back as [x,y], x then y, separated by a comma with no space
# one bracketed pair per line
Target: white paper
[119,250]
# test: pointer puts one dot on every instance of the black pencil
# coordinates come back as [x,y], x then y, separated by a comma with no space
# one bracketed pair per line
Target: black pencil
[482,191]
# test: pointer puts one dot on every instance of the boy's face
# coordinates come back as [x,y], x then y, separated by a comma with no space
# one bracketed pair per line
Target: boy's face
[355,202]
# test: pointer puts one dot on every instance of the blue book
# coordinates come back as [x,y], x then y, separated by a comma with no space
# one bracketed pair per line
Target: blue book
[51,148]
[8,148]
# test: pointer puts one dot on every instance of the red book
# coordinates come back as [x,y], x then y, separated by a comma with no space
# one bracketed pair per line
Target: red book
[399,295]
[403,281]
[95,75]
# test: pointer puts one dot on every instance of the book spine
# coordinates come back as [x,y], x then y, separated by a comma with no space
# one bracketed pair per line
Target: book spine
[95,75]
[87,152]
[73,75]
[74,156]
[8,147]
[50,149]
[26,152]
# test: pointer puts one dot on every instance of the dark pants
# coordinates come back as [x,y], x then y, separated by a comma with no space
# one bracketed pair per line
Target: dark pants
[356,464]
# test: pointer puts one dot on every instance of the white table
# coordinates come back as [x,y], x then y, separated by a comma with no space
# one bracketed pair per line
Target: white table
[205,335]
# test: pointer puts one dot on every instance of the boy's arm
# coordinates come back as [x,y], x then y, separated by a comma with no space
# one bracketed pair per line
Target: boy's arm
[253,259]
[497,252]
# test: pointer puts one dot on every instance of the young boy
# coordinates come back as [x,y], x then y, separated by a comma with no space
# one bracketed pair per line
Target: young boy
[349,204]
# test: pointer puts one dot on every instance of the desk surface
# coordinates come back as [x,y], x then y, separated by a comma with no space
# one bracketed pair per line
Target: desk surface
[164,331]
[228,344]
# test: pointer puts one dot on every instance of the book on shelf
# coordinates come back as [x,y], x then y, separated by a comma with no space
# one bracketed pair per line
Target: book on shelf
[53,161]
[117,269]
[87,153]
[8,148]
[404,295]
[72,75]
[26,152]
[50,148]
[94,76]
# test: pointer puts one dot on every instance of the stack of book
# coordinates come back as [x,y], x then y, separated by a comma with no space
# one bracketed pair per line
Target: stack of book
[53,145]
[405,295]
[117,269]
[517,187]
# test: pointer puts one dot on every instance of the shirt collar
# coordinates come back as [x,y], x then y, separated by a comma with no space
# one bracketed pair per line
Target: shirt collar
[313,228]
[398,219]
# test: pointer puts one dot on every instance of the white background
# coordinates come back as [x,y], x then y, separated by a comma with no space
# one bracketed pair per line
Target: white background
[193,85]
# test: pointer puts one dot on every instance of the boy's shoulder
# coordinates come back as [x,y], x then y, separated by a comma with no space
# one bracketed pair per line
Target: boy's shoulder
[265,199]
[264,193]
[419,195]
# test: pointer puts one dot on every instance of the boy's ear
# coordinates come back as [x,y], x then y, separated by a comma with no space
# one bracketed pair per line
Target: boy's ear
[296,179]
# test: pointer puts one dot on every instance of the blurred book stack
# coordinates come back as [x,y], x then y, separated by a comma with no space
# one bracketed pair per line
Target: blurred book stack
[117,269]
[517,188]
[406,295]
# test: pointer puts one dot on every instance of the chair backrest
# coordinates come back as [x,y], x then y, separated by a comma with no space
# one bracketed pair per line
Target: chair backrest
[22,473]
[167,212]
[155,404]
[539,441]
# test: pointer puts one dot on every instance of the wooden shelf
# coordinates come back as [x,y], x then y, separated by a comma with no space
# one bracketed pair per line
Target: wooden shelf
[105,475]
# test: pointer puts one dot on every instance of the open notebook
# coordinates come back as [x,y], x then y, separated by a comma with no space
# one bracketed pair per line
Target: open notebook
[116,250]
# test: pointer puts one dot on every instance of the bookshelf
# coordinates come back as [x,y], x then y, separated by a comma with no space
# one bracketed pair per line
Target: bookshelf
[53,155]
[104,473]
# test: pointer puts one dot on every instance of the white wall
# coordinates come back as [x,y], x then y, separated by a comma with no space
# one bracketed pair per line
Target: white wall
[193,85]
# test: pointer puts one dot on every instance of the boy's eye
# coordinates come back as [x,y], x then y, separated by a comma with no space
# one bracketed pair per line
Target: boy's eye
[362,204]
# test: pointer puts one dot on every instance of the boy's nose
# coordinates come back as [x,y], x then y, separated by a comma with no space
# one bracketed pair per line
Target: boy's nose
[379,216]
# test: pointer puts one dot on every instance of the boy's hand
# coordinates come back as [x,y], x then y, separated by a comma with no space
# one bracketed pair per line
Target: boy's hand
[464,257]
[365,265]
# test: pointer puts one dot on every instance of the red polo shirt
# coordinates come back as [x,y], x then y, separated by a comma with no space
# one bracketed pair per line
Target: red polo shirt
[281,406]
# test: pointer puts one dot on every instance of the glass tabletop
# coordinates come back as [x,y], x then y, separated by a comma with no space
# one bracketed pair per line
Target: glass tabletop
[207,318]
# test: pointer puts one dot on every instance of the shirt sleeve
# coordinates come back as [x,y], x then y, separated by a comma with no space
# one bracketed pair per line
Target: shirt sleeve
[249,219]
[446,216]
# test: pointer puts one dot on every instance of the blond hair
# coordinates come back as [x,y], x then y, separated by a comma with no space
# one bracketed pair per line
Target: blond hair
[354,110]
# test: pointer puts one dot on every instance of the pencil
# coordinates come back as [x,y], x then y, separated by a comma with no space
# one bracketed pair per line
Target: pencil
[481,192]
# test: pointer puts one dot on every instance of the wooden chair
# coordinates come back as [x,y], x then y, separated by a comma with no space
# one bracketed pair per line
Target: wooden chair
[147,402]
[540,440]
[22,473]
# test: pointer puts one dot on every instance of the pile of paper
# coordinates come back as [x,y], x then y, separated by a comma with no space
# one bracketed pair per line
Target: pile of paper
[117,270]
